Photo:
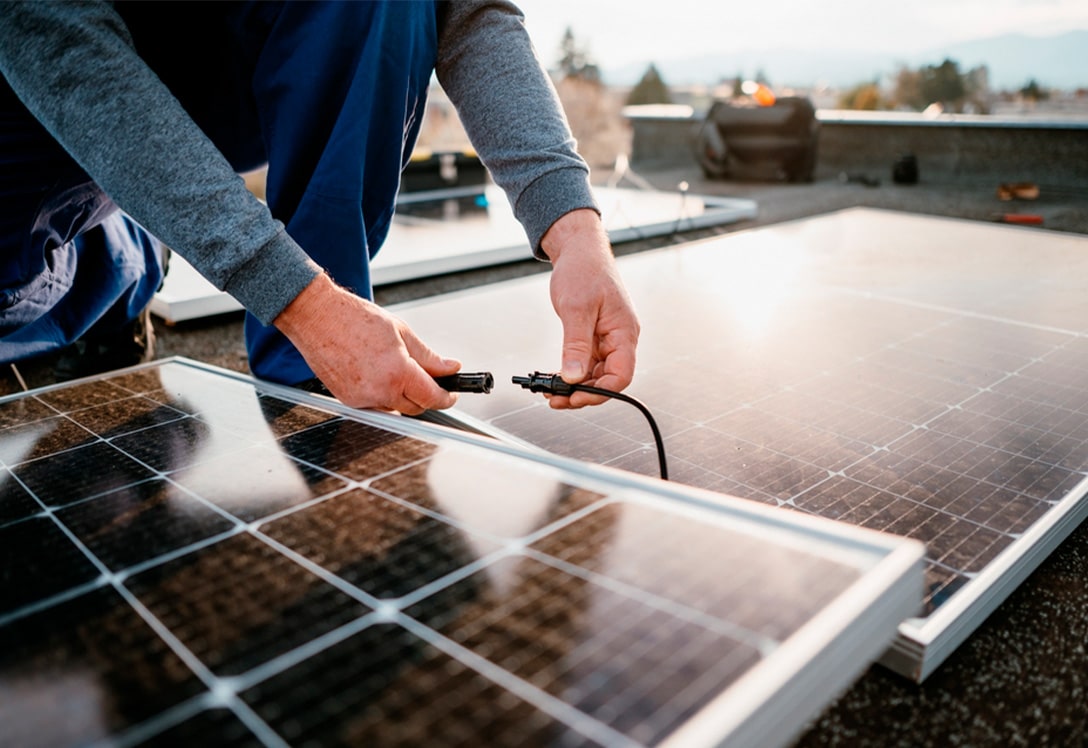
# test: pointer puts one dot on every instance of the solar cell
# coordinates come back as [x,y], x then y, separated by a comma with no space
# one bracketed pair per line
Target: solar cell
[78,471]
[239,602]
[240,564]
[385,548]
[128,526]
[393,688]
[906,374]
[15,501]
[39,561]
[85,669]
[628,664]
[210,727]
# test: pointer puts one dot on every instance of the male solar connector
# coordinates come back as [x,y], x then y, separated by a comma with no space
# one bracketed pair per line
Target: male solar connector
[553,384]
[480,382]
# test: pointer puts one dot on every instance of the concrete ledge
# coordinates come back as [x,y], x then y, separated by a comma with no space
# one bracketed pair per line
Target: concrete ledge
[662,138]
[957,148]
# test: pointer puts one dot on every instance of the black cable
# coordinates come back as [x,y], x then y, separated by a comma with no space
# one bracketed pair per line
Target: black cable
[555,385]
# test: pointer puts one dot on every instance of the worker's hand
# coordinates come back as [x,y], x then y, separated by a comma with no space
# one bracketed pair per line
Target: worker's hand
[600,328]
[365,356]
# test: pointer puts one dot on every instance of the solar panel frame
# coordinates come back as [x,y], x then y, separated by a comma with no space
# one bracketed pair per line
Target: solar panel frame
[895,272]
[778,694]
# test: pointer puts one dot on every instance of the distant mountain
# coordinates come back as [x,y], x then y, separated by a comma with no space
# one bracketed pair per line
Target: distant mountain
[1059,61]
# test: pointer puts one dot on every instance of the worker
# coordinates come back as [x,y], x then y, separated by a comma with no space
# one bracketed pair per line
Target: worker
[126,124]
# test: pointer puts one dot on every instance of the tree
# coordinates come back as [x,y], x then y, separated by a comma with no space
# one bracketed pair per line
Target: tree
[738,84]
[977,84]
[571,58]
[574,61]
[594,114]
[592,110]
[651,89]
[863,96]
[1033,91]
[908,90]
[943,84]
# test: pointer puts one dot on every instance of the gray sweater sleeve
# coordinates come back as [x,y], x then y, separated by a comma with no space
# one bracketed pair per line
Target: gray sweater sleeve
[74,67]
[510,110]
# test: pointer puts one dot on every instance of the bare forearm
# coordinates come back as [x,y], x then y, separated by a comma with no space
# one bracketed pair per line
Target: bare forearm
[367,357]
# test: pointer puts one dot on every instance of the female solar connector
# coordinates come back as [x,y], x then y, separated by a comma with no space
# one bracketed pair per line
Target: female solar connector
[480,382]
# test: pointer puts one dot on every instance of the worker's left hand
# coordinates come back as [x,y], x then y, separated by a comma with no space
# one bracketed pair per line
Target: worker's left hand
[600,327]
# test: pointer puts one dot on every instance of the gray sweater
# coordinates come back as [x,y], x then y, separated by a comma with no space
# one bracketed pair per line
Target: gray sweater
[74,67]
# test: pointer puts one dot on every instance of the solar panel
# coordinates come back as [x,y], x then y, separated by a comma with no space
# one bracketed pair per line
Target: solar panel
[913,375]
[436,233]
[445,231]
[189,556]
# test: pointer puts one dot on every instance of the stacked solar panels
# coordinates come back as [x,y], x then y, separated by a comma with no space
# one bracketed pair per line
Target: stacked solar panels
[191,559]
[913,375]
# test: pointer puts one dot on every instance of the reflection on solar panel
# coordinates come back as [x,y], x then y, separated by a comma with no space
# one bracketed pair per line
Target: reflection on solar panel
[189,558]
[913,375]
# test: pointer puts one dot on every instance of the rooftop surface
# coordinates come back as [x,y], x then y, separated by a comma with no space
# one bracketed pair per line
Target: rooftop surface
[1022,677]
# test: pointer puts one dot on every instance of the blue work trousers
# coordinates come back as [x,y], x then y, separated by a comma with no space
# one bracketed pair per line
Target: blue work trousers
[330,95]
[69,260]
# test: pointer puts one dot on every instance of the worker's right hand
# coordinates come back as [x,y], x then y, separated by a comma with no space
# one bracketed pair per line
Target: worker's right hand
[365,356]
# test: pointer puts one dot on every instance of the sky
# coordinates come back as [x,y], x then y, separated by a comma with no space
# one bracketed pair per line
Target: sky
[620,32]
